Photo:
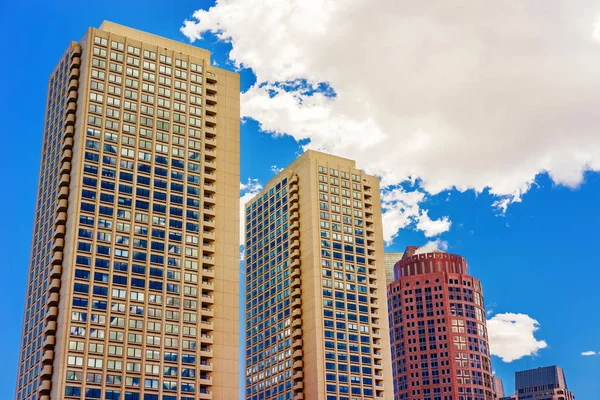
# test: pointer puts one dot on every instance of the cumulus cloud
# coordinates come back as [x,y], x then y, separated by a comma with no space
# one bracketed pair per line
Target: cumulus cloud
[432,246]
[247,191]
[468,95]
[275,169]
[512,336]
[590,353]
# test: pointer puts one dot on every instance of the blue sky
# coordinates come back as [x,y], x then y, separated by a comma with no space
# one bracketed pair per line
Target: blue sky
[538,259]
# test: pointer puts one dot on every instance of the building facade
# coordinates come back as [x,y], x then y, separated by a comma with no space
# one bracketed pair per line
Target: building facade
[439,339]
[498,387]
[316,324]
[390,261]
[546,383]
[133,283]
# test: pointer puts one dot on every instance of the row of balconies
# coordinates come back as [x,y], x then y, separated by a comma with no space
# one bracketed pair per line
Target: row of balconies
[60,220]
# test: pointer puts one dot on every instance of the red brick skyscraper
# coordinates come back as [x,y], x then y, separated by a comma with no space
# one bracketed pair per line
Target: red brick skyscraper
[438,329]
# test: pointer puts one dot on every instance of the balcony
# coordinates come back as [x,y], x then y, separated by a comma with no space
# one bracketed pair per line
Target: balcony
[207,312]
[46,371]
[62,206]
[295,273]
[45,387]
[56,271]
[293,189]
[70,120]
[206,352]
[208,223]
[294,206]
[205,395]
[74,73]
[297,313]
[208,285]
[53,300]
[72,96]
[210,165]
[210,120]
[65,168]
[210,142]
[205,366]
[297,333]
[211,87]
[296,293]
[57,259]
[294,216]
[298,375]
[297,323]
[208,235]
[211,98]
[54,286]
[64,180]
[295,254]
[297,354]
[49,342]
[208,299]
[294,226]
[209,176]
[48,357]
[296,283]
[61,217]
[59,244]
[52,313]
[73,85]
[67,143]
[295,245]
[366,184]
[209,188]
[206,339]
[210,130]
[59,231]
[209,153]
[50,329]
[208,272]
[293,180]
[71,108]
[210,109]
[211,77]
[296,303]
[298,386]
[67,155]
[208,260]
[298,364]
[75,62]
[209,199]
[210,211]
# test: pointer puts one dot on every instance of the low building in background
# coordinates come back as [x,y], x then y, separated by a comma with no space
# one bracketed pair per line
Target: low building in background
[390,260]
[545,383]
[498,387]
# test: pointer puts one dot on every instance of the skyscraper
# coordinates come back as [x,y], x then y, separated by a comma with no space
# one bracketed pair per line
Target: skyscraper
[133,282]
[390,260]
[498,387]
[438,329]
[546,383]
[316,324]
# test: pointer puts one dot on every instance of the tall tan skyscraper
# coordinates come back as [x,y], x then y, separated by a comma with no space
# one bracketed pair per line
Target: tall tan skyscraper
[316,311]
[133,284]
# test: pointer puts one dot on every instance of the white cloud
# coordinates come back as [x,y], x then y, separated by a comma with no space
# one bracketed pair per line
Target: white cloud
[432,246]
[590,353]
[512,336]
[432,227]
[481,95]
[247,191]
[275,169]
